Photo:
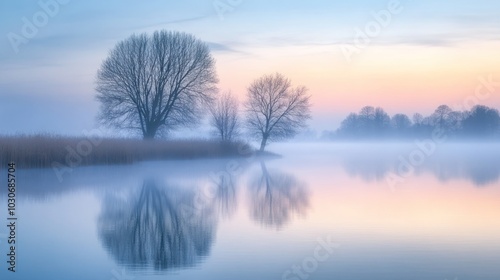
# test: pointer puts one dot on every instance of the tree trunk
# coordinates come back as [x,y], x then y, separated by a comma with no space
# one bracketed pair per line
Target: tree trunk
[263,143]
[148,136]
[150,133]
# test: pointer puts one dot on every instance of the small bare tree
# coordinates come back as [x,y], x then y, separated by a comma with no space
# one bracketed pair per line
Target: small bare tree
[224,117]
[154,83]
[275,110]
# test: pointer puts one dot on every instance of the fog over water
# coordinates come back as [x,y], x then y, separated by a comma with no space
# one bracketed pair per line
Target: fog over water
[393,210]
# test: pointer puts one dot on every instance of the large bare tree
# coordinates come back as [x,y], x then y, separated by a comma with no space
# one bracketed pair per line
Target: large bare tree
[224,117]
[275,110]
[155,83]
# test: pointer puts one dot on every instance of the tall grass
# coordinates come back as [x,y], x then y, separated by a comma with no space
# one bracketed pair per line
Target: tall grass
[44,150]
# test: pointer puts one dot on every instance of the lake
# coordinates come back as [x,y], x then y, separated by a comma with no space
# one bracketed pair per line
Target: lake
[320,211]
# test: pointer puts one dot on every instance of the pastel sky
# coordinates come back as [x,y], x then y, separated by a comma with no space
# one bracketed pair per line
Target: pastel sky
[427,54]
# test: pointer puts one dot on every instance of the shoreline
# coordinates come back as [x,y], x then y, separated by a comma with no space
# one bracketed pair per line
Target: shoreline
[71,152]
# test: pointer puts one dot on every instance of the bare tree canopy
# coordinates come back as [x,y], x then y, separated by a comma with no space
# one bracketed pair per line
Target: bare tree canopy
[276,110]
[154,83]
[224,117]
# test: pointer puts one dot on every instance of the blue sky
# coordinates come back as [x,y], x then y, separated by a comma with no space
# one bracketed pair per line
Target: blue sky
[48,85]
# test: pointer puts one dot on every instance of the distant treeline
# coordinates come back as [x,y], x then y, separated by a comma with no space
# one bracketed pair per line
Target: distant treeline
[481,122]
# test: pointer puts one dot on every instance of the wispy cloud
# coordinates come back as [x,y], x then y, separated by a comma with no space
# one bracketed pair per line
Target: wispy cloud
[218,47]
[176,21]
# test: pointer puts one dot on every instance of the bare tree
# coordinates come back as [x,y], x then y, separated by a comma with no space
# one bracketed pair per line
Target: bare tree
[276,110]
[441,116]
[401,122]
[224,117]
[154,83]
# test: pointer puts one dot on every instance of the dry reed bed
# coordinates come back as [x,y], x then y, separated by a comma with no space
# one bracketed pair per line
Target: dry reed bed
[44,151]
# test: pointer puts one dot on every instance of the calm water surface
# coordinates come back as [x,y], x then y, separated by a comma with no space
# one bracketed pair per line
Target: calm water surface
[321,211]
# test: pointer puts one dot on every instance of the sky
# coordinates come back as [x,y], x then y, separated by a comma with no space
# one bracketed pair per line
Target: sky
[405,56]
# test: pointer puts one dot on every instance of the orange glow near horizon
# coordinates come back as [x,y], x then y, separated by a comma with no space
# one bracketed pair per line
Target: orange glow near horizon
[385,76]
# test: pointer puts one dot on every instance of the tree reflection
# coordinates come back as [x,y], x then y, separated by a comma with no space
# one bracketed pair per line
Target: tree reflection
[276,197]
[369,168]
[151,229]
[480,165]
[225,195]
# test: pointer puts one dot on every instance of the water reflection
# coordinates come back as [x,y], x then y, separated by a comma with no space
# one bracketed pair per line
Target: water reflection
[162,227]
[171,223]
[368,167]
[480,165]
[225,197]
[276,197]
[150,229]
[481,169]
